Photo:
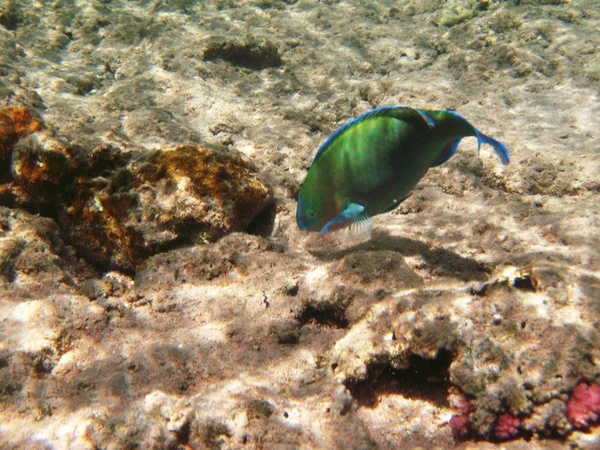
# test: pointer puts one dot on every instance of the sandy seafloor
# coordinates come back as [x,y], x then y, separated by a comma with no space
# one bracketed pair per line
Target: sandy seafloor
[487,279]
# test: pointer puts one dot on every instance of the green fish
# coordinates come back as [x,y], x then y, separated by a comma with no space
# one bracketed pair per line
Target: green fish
[372,163]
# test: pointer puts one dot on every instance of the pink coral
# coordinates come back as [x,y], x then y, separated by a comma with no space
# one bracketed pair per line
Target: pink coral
[459,423]
[460,426]
[583,408]
[507,426]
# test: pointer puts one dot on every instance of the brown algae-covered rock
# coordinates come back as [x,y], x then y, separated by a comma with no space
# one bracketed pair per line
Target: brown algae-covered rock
[187,194]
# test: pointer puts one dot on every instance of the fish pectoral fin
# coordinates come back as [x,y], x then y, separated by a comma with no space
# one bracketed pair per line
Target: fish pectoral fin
[353,214]
[361,228]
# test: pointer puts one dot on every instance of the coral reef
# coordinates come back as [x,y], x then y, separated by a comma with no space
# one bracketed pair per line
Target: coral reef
[145,137]
[118,211]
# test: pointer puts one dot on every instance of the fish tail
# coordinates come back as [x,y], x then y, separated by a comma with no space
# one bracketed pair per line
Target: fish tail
[499,147]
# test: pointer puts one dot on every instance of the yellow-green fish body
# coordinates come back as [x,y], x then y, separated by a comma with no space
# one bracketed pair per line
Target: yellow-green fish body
[372,163]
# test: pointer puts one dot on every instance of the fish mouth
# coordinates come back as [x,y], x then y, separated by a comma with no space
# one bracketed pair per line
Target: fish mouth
[299,220]
[303,222]
[305,226]
[308,224]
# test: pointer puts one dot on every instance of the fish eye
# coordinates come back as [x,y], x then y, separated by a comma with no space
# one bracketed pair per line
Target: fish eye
[311,214]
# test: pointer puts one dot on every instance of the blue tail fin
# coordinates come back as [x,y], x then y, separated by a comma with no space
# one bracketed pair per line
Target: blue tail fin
[501,150]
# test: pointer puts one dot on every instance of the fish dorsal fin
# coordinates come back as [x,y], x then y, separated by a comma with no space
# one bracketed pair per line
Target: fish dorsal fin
[404,113]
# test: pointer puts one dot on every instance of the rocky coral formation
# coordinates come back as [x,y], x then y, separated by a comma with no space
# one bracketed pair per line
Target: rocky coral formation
[521,379]
[118,211]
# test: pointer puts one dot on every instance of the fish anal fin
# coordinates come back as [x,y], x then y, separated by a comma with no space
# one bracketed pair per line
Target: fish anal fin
[397,203]
[446,153]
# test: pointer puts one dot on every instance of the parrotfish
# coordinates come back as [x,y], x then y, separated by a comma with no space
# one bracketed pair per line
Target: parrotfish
[372,163]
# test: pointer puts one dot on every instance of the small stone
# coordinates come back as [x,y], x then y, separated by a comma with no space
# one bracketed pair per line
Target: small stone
[15,124]
[43,166]
[449,18]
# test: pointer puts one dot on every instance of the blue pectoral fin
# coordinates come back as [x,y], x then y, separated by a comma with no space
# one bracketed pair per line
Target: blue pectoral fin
[499,147]
[353,214]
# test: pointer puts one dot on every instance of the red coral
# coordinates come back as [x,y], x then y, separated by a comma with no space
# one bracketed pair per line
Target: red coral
[507,426]
[583,408]
[460,426]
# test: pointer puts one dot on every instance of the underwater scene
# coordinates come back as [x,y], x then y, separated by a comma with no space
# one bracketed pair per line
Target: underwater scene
[300,224]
